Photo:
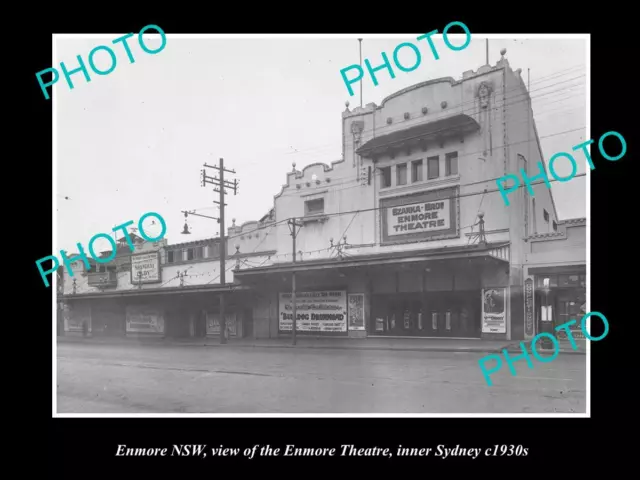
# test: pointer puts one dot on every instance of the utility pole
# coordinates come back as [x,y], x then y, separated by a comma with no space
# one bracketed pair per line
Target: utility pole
[293,223]
[221,185]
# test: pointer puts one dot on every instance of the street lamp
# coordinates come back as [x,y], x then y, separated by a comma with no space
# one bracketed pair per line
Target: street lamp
[223,325]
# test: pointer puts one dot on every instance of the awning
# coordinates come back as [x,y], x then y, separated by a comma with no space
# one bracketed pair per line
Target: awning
[435,254]
[439,129]
[154,291]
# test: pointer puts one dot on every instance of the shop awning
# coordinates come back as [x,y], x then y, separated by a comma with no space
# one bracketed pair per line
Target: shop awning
[497,252]
[457,125]
[191,289]
[559,269]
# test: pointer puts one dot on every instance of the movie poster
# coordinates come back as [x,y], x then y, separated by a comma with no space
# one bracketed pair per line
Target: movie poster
[356,311]
[494,315]
[316,312]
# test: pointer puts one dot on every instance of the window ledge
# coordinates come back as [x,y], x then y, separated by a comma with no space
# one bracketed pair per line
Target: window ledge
[425,184]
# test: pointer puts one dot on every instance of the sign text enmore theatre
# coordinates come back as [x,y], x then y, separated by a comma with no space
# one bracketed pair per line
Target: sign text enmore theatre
[430,215]
[427,216]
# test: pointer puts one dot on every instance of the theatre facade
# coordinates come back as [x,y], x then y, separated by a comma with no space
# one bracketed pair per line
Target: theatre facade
[406,236]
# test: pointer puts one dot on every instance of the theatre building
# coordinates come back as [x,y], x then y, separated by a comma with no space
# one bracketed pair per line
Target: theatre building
[405,236]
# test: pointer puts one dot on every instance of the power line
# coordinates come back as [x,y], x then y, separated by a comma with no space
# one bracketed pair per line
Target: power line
[558,73]
[380,129]
[510,123]
[465,155]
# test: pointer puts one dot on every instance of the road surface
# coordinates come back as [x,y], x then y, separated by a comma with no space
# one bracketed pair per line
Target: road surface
[186,379]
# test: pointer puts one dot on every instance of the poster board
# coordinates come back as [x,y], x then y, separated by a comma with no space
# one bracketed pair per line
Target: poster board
[324,312]
[356,311]
[143,319]
[213,324]
[494,316]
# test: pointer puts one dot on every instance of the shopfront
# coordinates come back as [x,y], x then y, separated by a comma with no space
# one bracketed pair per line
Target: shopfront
[559,296]
[184,312]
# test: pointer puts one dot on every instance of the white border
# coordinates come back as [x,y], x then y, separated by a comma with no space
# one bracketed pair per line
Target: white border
[586,37]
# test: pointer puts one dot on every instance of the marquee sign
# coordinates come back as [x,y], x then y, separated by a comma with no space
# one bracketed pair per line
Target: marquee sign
[145,268]
[429,215]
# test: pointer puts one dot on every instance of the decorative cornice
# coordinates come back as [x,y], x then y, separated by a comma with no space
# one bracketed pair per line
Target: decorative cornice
[450,80]
[424,186]
[573,221]
[542,236]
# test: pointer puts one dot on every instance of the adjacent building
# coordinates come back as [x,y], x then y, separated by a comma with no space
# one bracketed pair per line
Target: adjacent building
[404,236]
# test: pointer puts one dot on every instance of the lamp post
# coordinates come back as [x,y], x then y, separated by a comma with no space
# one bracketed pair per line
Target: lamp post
[223,337]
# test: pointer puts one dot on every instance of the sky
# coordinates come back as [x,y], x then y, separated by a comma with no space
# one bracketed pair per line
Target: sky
[134,141]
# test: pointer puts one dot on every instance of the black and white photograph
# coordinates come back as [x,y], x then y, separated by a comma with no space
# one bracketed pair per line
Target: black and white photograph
[321,225]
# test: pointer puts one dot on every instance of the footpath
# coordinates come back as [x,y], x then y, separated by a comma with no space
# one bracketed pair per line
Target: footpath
[399,344]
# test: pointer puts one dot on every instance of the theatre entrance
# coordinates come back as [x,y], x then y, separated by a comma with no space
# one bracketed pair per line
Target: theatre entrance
[442,314]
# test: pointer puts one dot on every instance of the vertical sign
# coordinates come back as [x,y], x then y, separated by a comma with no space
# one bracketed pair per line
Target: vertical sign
[494,317]
[356,311]
[528,308]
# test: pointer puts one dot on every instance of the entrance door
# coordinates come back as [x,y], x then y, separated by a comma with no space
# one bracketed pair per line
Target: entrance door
[450,314]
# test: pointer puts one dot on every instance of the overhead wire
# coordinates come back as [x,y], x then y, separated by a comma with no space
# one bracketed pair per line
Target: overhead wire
[382,128]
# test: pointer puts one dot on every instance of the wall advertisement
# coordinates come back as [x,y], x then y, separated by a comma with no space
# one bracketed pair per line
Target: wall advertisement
[144,320]
[494,316]
[431,215]
[145,268]
[213,324]
[322,312]
[356,311]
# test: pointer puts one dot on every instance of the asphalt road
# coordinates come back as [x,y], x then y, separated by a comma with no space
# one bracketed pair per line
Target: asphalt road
[178,379]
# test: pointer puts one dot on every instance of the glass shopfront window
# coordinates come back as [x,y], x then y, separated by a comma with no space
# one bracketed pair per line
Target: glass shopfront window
[563,297]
